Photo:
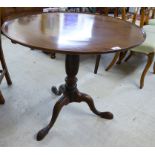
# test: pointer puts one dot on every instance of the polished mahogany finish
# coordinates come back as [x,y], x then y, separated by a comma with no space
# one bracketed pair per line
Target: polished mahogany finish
[71,94]
[73,33]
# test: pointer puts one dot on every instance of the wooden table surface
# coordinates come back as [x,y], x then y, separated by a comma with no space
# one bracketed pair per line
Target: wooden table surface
[73,33]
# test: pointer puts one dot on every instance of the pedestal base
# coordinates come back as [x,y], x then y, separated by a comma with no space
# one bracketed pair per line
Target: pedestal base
[70,94]
[66,99]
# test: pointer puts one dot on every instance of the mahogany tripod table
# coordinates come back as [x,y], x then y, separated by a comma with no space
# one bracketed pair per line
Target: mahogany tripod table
[73,34]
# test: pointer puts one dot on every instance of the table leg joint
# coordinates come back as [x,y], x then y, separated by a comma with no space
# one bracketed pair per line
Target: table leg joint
[70,94]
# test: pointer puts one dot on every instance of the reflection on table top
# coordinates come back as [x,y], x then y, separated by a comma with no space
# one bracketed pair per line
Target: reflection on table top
[73,33]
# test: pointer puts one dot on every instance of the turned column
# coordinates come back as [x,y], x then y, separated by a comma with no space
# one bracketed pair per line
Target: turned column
[72,67]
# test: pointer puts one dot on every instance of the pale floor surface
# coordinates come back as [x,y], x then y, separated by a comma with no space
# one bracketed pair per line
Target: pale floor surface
[29,102]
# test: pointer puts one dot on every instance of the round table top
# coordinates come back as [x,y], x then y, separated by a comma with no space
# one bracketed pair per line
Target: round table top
[73,33]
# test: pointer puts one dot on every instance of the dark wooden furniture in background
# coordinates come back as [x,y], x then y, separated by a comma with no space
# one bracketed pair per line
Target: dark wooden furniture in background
[4,72]
[106,11]
[73,34]
[147,48]
[131,17]
[14,12]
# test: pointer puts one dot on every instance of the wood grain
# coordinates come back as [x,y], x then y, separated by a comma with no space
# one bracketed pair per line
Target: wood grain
[73,33]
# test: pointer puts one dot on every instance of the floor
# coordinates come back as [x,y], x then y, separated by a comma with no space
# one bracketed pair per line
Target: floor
[29,102]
